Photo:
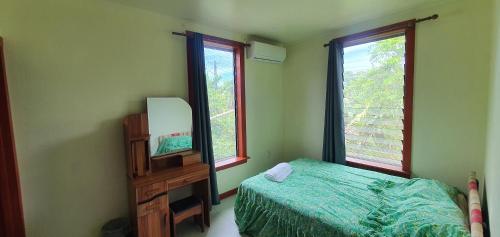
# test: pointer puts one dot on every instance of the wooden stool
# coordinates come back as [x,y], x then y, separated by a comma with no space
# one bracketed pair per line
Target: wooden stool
[185,208]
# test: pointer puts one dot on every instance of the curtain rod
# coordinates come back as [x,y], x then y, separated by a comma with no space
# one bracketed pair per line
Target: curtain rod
[212,37]
[180,34]
[433,17]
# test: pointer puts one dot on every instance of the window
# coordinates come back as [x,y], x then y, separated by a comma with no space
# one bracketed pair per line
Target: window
[378,82]
[225,85]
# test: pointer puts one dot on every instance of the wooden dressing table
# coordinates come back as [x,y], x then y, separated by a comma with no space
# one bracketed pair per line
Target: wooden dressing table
[151,179]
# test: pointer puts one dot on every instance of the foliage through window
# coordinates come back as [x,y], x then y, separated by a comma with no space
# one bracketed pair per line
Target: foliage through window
[219,68]
[375,100]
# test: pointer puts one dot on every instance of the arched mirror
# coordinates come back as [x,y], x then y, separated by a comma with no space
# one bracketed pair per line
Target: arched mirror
[170,125]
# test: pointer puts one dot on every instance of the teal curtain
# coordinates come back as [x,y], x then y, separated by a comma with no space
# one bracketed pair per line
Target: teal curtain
[333,136]
[202,131]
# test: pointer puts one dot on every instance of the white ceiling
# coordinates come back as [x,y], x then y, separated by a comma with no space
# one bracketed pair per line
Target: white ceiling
[281,20]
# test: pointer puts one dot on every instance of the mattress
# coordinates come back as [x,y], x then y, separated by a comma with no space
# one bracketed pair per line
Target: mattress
[325,199]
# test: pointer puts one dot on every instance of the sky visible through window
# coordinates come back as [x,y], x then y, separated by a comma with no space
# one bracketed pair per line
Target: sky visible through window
[219,69]
[373,100]
[357,58]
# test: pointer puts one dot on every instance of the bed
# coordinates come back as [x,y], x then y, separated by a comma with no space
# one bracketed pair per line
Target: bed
[325,199]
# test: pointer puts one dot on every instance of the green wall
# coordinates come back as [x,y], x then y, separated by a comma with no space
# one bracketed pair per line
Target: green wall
[492,166]
[76,69]
[451,90]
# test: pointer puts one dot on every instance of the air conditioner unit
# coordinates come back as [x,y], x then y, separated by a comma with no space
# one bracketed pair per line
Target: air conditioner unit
[266,52]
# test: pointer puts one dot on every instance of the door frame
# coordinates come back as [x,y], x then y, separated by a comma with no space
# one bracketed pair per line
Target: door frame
[11,209]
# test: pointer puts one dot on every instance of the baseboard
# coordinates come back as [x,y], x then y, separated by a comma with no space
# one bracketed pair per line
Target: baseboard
[228,193]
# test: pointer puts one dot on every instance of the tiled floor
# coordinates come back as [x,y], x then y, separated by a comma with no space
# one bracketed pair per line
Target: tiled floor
[222,223]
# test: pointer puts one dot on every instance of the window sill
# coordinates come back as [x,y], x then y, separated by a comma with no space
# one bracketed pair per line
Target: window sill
[231,162]
[383,168]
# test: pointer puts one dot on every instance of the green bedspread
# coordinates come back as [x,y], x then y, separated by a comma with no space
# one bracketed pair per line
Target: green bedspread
[324,199]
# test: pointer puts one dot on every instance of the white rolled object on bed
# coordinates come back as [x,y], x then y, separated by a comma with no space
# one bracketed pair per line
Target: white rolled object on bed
[279,172]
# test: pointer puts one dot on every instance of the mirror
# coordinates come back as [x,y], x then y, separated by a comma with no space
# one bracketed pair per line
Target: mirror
[170,125]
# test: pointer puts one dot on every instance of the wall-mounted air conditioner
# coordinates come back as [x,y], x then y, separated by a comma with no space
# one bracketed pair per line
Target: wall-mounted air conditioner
[266,52]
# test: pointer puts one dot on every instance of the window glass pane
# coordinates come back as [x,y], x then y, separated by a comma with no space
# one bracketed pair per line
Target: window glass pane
[373,100]
[219,69]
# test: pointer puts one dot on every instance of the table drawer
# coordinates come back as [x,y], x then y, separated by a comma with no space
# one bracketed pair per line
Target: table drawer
[192,159]
[144,193]
[182,181]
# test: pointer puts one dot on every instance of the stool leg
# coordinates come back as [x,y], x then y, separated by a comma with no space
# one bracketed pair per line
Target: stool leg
[172,224]
[173,230]
[202,215]
[199,221]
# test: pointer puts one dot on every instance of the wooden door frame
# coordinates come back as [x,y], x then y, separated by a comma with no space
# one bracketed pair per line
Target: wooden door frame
[11,210]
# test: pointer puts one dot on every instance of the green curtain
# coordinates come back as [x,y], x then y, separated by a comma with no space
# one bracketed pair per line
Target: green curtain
[202,132]
[333,136]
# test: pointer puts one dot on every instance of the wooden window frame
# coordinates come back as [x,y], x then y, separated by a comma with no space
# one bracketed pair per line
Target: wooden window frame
[238,50]
[11,208]
[406,28]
